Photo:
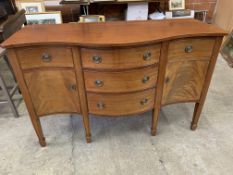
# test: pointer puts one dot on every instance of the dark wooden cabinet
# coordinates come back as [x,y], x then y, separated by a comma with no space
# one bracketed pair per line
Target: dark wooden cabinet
[113,69]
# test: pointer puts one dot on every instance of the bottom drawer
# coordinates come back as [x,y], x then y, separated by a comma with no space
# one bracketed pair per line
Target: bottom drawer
[121,104]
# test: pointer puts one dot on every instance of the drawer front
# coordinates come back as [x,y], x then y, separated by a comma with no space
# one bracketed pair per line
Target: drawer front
[121,104]
[192,48]
[120,58]
[53,91]
[123,81]
[37,57]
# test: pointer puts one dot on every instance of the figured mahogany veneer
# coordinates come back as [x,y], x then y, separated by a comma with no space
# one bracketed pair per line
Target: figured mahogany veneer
[46,97]
[121,81]
[113,69]
[191,49]
[184,81]
[45,57]
[121,104]
[121,58]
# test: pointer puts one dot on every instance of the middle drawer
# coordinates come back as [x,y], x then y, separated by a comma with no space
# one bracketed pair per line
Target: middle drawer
[121,81]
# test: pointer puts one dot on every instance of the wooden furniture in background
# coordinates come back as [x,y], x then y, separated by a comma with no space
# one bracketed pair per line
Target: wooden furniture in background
[223,18]
[223,15]
[92,18]
[13,20]
[113,69]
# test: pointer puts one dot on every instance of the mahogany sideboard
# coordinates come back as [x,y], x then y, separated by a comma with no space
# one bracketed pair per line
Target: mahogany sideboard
[113,68]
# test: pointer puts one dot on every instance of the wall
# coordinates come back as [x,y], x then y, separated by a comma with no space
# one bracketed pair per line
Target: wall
[202,5]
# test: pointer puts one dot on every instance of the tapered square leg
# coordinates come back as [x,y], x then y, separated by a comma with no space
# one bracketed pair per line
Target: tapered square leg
[154,124]
[196,115]
[87,128]
[38,129]
[42,142]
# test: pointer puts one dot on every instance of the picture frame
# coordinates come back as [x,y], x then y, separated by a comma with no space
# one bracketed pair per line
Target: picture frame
[176,5]
[44,18]
[32,6]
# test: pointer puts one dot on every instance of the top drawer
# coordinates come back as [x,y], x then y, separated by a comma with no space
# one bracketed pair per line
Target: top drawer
[191,48]
[120,58]
[35,57]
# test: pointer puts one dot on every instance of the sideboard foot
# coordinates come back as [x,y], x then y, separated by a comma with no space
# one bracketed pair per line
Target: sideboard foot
[88,139]
[153,132]
[42,142]
[193,127]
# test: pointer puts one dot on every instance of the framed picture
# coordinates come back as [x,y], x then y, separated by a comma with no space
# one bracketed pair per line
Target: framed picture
[176,4]
[44,18]
[32,6]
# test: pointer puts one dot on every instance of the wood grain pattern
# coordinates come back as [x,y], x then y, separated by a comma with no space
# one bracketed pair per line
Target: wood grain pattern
[201,49]
[131,33]
[26,96]
[121,81]
[184,81]
[120,58]
[53,91]
[120,104]
[31,57]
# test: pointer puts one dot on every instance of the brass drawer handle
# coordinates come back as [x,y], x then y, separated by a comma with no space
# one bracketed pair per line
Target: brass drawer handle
[188,49]
[73,87]
[46,57]
[144,101]
[97,59]
[100,105]
[99,83]
[147,56]
[145,79]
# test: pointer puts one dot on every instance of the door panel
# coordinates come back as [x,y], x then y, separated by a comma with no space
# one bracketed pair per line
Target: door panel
[53,91]
[184,81]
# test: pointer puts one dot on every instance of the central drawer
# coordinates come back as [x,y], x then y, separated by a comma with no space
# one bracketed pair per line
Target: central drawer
[121,81]
[120,58]
[121,104]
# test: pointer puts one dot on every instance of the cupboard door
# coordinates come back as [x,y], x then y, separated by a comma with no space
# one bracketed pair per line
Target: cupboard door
[184,81]
[53,91]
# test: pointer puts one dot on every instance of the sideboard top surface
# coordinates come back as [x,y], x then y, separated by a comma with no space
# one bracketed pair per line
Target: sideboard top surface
[111,33]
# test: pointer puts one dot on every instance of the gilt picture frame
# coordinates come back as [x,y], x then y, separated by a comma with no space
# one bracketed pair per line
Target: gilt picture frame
[32,6]
[176,5]
[44,18]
